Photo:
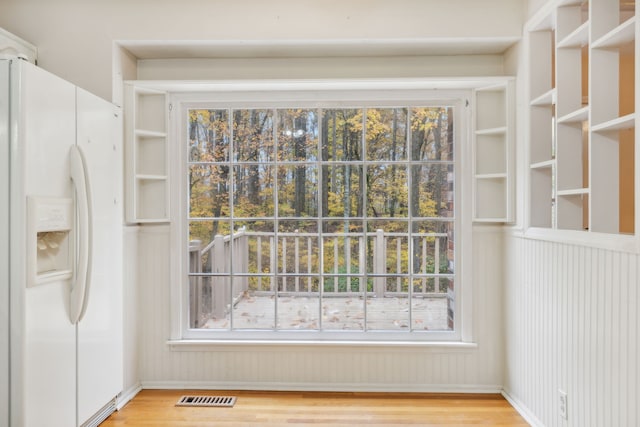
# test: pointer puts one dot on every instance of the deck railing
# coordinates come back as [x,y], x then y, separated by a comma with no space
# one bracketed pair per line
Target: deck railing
[254,263]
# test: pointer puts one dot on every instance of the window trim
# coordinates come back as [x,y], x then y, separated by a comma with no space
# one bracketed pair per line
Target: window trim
[314,94]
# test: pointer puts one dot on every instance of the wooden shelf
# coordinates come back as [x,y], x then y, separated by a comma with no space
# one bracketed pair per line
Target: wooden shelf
[147,180]
[491,176]
[492,151]
[571,2]
[543,165]
[578,38]
[589,121]
[622,34]
[493,131]
[620,123]
[143,133]
[574,192]
[577,116]
[151,177]
[546,99]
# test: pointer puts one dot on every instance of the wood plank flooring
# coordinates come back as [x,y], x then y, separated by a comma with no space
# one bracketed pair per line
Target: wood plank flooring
[253,408]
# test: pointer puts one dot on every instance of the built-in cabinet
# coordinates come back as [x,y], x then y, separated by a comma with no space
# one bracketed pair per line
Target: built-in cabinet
[147,180]
[582,119]
[493,153]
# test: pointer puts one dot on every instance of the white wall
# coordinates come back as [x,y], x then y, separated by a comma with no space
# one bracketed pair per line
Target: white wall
[315,68]
[75,37]
[571,316]
[572,323]
[75,40]
[323,367]
[131,321]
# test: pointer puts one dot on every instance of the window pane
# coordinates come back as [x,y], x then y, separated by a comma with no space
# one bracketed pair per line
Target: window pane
[298,311]
[297,191]
[333,242]
[431,313]
[387,191]
[202,234]
[297,135]
[390,313]
[298,248]
[253,248]
[342,134]
[387,253]
[253,191]
[344,262]
[432,133]
[343,314]
[432,190]
[253,135]
[386,134]
[252,311]
[343,197]
[209,135]
[209,191]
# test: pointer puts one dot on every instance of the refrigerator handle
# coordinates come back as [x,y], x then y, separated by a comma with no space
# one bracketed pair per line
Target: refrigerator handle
[82,273]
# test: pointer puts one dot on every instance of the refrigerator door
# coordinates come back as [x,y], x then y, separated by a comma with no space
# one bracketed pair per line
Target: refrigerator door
[4,243]
[43,352]
[100,329]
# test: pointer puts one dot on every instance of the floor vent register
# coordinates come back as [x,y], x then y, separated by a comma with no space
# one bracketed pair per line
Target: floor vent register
[226,401]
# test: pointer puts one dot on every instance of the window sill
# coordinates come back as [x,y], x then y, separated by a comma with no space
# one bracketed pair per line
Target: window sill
[274,345]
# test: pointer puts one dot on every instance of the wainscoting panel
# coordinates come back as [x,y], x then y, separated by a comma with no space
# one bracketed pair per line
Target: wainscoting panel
[337,368]
[572,324]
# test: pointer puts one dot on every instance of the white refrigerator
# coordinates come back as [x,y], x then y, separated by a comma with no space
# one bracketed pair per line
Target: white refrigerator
[60,251]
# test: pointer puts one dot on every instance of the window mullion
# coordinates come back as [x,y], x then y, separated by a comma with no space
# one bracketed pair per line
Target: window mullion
[276,223]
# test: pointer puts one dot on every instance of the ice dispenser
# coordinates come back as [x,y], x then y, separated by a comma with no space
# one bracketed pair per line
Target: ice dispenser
[50,252]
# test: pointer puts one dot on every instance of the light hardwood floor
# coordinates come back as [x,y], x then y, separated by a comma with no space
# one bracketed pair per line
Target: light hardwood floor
[157,408]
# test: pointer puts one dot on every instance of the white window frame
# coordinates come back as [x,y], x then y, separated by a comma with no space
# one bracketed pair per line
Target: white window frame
[322,94]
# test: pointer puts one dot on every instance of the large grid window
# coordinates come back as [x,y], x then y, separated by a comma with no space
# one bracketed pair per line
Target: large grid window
[321,219]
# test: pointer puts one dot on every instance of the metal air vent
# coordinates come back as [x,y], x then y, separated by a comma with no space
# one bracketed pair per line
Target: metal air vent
[206,401]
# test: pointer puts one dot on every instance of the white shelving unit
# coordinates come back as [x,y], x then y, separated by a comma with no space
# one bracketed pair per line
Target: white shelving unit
[582,117]
[492,153]
[147,180]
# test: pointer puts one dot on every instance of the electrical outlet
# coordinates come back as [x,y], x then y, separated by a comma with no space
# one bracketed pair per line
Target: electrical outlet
[563,404]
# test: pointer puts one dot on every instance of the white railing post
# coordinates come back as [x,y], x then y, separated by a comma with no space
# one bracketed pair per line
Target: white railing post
[347,262]
[195,283]
[361,264]
[424,262]
[241,259]
[259,261]
[297,260]
[336,269]
[220,285]
[273,263]
[398,264]
[309,266]
[379,264]
[284,264]
[436,266]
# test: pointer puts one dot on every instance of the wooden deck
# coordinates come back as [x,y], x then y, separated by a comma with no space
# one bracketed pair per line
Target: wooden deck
[336,313]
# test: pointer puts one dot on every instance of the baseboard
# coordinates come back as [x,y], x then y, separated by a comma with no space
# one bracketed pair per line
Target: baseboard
[522,410]
[127,395]
[334,387]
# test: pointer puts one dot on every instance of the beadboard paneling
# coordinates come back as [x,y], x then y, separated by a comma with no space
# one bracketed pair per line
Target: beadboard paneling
[130,311]
[571,322]
[320,367]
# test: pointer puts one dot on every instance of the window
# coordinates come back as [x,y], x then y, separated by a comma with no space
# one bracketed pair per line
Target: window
[321,219]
